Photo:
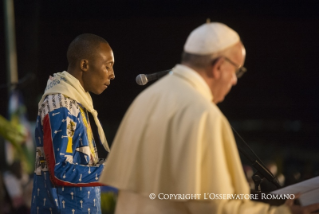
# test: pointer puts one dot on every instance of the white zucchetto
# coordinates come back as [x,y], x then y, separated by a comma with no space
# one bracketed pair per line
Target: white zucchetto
[210,38]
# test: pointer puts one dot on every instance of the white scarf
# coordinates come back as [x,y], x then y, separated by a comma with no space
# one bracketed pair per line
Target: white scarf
[66,84]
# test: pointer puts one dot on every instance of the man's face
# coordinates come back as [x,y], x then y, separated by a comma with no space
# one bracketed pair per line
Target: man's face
[100,70]
[228,73]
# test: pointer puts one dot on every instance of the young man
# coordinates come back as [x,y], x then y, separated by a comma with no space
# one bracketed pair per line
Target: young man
[67,163]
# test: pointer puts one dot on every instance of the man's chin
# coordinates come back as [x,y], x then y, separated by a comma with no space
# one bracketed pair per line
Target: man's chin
[98,92]
[218,100]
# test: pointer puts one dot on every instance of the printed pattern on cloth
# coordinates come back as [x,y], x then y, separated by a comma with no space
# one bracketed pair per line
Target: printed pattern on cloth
[66,169]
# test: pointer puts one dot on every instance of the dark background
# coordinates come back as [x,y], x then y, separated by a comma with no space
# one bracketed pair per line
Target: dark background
[274,106]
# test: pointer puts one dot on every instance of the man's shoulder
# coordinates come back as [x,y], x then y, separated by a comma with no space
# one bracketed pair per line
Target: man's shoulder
[52,102]
[57,96]
[204,107]
[175,94]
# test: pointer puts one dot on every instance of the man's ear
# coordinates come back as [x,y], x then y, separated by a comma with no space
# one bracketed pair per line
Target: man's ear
[84,65]
[215,69]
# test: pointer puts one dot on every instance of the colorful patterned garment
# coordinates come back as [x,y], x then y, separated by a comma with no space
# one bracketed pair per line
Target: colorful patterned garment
[67,166]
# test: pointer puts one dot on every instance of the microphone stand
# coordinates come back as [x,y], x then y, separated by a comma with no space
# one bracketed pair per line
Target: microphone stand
[261,170]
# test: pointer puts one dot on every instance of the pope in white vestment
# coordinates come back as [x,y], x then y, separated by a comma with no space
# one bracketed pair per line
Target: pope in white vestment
[175,140]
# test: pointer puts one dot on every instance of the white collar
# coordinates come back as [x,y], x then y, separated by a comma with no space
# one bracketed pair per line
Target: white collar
[194,79]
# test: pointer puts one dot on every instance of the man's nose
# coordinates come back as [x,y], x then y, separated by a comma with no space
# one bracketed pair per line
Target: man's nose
[112,75]
[234,81]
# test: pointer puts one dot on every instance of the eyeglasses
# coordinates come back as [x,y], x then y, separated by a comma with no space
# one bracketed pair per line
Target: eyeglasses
[239,70]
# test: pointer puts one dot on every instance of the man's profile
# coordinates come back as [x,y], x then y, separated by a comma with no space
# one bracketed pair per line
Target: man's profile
[174,139]
[67,164]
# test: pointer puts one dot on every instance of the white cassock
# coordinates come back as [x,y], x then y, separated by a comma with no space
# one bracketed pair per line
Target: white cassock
[175,140]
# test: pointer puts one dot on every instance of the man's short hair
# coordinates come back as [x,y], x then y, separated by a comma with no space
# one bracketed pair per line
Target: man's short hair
[197,61]
[83,46]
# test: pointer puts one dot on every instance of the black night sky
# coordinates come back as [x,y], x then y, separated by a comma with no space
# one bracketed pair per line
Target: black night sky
[274,103]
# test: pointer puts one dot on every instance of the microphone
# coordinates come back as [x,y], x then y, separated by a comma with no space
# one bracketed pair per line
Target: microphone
[143,79]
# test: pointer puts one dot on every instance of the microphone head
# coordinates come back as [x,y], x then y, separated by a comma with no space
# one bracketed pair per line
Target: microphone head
[141,79]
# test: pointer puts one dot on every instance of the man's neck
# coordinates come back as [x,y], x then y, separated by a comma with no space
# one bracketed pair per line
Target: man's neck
[203,73]
[77,74]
